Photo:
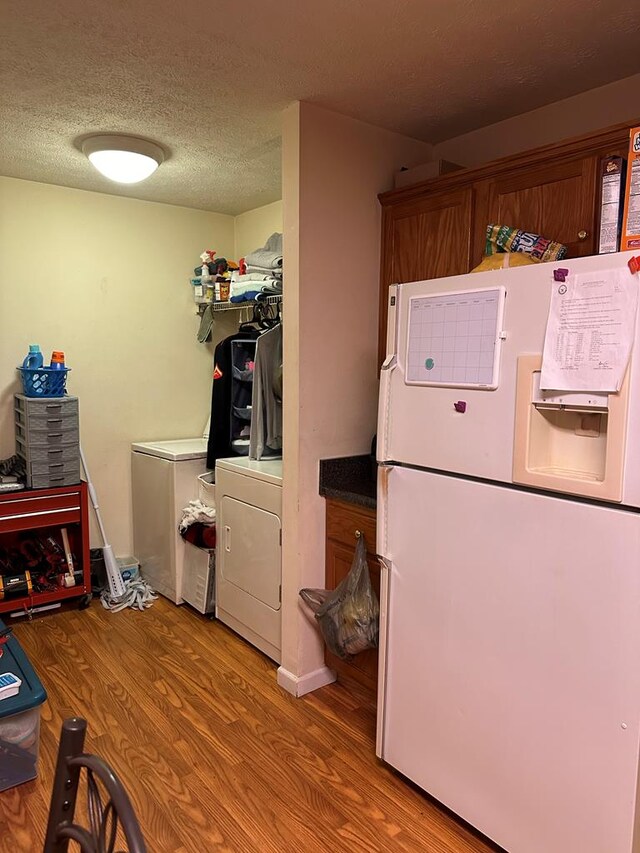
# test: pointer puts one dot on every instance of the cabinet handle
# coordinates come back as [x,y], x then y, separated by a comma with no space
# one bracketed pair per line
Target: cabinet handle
[41,512]
[582,235]
[227,538]
[358,534]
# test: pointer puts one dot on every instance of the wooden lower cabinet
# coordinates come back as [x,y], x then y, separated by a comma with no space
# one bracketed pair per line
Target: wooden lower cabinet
[343,523]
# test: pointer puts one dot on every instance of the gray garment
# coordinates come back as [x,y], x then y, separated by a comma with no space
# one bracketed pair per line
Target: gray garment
[274,243]
[206,325]
[266,400]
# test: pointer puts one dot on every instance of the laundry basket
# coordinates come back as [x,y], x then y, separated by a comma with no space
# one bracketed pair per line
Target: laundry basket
[207,488]
[44,381]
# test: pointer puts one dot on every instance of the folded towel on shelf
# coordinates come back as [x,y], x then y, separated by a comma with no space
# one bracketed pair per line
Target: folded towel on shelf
[245,297]
[254,276]
[265,259]
[275,273]
[240,288]
[272,287]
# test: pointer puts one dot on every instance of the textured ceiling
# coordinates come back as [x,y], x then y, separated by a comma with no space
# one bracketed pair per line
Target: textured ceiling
[208,80]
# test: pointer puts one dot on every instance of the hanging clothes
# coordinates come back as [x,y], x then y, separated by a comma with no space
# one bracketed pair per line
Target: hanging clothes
[266,402]
[219,444]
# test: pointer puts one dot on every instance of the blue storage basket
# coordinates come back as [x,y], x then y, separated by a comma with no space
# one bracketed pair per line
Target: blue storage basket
[44,381]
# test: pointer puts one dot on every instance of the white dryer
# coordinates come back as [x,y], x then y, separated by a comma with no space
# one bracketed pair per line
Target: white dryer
[249,550]
[164,477]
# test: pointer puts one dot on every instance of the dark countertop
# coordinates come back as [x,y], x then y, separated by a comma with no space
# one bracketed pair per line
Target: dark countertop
[349,478]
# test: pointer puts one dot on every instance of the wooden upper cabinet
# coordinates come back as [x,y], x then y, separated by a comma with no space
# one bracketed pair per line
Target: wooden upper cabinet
[438,228]
[429,239]
[425,238]
[556,201]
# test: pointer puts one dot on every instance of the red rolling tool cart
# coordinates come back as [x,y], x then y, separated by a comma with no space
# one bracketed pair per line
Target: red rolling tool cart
[46,513]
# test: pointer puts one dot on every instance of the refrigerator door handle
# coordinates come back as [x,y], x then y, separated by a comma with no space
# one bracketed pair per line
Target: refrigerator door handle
[385,576]
[388,366]
[392,320]
[384,408]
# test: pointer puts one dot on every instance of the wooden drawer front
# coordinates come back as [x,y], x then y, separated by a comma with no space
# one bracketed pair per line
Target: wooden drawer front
[42,511]
[343,520]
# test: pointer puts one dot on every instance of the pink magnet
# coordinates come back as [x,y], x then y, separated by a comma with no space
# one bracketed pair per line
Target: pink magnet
[460,406]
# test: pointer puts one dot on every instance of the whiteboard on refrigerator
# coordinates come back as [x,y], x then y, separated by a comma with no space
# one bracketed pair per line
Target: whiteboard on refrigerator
[454,339]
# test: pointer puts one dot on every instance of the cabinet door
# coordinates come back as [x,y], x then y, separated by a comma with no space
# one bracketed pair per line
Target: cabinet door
[557,201]
[425,238]
[364,666]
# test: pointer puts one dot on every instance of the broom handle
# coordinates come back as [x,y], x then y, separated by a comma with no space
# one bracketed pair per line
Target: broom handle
[94,497]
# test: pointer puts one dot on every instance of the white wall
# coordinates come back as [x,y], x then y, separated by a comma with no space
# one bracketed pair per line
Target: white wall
[612,104]
[333,169]
[253,228]
[106,280]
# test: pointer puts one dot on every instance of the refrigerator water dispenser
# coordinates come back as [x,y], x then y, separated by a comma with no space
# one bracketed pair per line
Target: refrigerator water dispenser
[568,441]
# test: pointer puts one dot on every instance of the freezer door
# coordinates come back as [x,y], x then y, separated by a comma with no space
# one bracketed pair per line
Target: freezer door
[468,430]
[510,666]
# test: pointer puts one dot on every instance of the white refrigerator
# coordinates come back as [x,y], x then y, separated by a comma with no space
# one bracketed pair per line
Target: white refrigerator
[509,532]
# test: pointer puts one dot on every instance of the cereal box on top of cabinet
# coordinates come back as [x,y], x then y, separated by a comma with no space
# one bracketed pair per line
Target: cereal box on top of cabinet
[631,223]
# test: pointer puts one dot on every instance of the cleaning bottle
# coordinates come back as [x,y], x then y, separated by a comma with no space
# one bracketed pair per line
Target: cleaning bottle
[34,359]
[57,360]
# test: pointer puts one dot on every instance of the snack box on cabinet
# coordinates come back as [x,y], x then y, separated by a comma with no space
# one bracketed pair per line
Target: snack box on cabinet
[631,223]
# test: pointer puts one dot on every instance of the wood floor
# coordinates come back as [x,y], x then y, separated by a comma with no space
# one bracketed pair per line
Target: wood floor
[214,754]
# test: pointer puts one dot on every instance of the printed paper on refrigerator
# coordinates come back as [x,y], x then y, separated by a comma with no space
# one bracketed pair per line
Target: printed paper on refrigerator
[590,331]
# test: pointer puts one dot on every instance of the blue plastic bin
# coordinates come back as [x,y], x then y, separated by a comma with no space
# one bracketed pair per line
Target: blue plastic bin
[44,381]
[19,719]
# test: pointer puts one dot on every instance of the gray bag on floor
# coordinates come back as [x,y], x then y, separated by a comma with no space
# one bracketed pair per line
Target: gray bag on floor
[349,614]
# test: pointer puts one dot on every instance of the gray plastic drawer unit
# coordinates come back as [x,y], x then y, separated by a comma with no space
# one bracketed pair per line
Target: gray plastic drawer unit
[48,440]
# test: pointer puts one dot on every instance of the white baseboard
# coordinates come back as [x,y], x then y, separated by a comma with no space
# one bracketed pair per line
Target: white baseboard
[298,686]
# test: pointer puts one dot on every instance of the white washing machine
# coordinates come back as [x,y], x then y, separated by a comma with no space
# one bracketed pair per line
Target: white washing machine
[249,550]
[164,476]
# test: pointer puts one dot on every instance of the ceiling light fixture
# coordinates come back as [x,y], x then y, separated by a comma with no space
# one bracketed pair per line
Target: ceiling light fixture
[124,159]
